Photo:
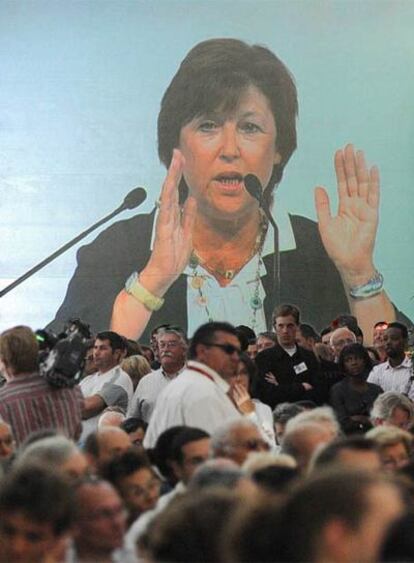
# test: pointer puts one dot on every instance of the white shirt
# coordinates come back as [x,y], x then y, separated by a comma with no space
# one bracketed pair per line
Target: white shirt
[147,392]
[394,378]
[232,302]
[197,397]
[92,384]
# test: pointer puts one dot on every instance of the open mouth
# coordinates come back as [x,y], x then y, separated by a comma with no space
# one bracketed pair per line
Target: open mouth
[230,182]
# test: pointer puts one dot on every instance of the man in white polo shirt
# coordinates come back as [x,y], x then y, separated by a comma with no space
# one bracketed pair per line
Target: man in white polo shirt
[110,385]
[198,397]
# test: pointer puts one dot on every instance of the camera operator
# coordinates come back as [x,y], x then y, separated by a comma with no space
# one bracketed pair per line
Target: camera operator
[27,401]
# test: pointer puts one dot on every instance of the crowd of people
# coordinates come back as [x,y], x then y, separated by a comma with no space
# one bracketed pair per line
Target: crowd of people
[228,446]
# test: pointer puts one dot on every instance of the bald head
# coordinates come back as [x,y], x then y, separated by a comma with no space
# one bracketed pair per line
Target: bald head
[340,338]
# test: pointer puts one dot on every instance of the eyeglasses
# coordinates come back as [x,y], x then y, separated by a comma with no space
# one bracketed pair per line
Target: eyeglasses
[170,344]
[229,349]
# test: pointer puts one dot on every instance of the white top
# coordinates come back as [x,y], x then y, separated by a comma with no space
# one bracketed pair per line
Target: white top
[92,384]
[232,302]
[194,398]
[147,392]
[394,378]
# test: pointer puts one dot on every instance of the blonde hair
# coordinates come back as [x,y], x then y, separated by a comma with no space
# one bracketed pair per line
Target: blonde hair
[136,367]
[385,436]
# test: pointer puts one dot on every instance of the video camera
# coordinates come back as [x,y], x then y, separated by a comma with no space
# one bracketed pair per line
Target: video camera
[62,357]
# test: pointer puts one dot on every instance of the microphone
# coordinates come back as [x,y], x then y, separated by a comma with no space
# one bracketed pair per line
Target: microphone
[134,198]
[255,189]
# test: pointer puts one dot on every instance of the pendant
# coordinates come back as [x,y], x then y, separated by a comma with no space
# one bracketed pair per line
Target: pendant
[193,262]
[197,282]
[201,300]
[228,274]
[255,303]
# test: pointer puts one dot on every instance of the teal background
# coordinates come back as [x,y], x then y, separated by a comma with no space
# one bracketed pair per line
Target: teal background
[80,87]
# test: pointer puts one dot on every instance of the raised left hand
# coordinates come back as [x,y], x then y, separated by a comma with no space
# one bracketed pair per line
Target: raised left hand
[349,237]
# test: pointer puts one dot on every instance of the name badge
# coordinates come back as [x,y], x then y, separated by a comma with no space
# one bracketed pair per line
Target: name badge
[300,368]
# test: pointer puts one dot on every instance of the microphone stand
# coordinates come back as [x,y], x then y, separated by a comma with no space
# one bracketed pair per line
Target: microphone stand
[125,205]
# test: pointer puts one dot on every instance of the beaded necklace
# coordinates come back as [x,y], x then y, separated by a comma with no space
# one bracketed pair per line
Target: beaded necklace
[198,278]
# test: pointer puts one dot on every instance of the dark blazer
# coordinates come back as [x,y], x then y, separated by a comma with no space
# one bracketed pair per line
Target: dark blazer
[289,389]
[308,278]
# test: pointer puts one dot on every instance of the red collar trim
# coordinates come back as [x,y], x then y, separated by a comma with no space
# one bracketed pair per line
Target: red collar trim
[199,370]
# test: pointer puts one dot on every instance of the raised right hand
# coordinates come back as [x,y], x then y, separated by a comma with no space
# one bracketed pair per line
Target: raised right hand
[173,239]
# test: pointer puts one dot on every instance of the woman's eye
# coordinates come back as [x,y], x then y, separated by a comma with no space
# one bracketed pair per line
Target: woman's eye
[250,127]
[207,126]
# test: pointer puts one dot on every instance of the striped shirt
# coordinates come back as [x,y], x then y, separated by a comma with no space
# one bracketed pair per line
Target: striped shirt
[398,379]
[28,403]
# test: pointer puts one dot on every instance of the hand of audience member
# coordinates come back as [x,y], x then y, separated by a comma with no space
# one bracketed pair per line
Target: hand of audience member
[242,399]
[307,386]
[270,378]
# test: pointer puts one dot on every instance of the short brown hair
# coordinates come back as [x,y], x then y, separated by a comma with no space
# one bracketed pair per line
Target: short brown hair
[284,311]
[19,349]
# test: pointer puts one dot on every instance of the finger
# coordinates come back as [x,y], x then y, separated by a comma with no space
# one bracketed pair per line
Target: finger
[339,163]
[374,188]
[323,208]
[169,193]
[350,171]
[362,175]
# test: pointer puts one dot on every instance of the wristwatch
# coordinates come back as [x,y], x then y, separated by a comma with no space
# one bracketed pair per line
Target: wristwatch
[138,291]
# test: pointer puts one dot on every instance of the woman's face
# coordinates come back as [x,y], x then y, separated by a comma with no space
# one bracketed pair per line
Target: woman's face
[220,150]
[354,365]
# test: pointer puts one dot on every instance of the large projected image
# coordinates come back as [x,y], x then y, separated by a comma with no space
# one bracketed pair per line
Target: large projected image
[230,112]
[263,113]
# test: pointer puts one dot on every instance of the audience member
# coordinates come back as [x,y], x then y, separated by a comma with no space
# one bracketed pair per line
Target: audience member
[352,398]
[307,337]
[236,439]
[265,340]
[135,428]
[352,451]
[199,396]
[136,482]
[111,416]
[136,367]
[27,402]
[100,522]
[172,350]
[7,442]
[105,444]
[282,413]
[287,372]
[340,338]
[110,385]
[394,446]
[36,516]
[393,409]
[57,453]
[396,374]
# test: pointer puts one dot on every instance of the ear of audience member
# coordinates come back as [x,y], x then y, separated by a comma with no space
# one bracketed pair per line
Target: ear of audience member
[7,444]
[135,480]
[36,515]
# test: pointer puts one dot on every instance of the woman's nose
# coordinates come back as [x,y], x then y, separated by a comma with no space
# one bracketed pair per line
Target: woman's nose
[229,143]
